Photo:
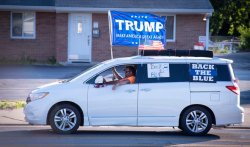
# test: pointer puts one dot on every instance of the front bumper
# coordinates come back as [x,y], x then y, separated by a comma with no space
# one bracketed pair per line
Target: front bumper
[35,113]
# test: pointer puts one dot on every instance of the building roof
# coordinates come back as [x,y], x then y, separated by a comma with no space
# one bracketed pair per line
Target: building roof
[28,2]
[155,4]
[198,6]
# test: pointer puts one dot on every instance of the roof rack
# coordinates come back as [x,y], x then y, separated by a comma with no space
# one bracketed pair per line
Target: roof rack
[179,53]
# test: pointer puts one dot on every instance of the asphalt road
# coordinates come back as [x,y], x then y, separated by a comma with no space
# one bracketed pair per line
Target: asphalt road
[16,81]
[40,136]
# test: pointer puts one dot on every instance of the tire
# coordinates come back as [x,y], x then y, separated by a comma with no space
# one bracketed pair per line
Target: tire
[196,121]
[179,127]
[64,119]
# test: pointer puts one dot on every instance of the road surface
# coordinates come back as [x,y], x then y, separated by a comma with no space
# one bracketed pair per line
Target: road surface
[40,136]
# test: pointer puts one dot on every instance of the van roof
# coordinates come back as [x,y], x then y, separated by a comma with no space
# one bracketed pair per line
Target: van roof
[139,58]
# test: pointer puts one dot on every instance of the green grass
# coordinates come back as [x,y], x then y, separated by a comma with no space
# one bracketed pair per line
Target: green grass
[10,105]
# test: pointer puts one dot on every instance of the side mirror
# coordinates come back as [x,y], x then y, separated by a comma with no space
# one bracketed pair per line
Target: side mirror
[99,80]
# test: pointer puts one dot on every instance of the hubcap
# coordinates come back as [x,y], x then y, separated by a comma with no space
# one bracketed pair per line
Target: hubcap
[65,119]
[196,121]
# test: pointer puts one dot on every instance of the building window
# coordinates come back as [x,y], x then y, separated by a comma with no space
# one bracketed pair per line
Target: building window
[170,27]
[79,28]
[23,25]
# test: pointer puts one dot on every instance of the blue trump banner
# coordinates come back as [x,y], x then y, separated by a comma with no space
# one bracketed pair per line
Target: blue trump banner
[132,29]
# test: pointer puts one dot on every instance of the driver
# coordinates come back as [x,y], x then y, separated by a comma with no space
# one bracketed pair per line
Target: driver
[128,79]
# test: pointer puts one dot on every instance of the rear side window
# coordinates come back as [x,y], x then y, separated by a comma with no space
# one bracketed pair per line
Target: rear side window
[223,73]
[163,72]
[177,73]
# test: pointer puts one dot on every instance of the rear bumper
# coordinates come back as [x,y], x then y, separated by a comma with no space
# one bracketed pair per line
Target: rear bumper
[228,115]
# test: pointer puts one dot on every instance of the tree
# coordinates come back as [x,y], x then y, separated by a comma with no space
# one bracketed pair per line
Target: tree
[229,16]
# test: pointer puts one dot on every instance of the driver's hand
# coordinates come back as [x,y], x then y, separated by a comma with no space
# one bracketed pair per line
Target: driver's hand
[113,69]
[114,87]
[114,73]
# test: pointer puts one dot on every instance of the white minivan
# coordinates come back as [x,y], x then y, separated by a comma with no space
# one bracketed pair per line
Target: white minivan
[192,93]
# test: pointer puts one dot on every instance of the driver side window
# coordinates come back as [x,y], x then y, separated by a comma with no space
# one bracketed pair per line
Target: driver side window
[108,74]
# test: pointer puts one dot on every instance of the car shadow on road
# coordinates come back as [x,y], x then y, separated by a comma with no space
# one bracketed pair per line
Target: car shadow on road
[109,138]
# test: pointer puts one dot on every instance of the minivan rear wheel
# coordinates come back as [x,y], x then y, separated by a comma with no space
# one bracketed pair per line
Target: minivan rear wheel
[64,119]
[196,121]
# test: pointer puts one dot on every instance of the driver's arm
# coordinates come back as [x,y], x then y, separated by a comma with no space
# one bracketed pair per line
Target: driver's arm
[109,82]
[120,82]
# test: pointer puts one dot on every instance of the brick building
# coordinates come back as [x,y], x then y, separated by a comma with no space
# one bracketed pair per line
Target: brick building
[68,30]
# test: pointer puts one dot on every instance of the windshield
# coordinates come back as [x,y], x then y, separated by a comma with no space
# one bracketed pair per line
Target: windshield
[85,72]
[89,70]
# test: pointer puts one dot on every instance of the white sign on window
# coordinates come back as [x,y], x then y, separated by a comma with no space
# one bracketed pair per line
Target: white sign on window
[158,70]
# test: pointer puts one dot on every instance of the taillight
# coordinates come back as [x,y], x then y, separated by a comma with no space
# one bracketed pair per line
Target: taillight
[235,88]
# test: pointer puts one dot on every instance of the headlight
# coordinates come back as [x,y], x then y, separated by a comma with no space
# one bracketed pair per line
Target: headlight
[35,96]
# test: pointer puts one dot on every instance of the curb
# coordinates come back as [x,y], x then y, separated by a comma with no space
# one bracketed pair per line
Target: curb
[238,127]
[232,127]
[16,125]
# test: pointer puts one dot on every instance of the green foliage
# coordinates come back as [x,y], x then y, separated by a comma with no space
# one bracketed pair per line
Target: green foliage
[229,16]
[245,38]
[52,60]
[9,105]
[216,50]
[27,60]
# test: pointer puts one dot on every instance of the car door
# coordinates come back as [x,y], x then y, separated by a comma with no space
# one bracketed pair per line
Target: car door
[209,81]
[163,93]
[112,107]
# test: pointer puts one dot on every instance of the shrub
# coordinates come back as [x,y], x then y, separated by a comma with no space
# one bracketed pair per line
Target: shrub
[27,60]
[245,38]
[52,60]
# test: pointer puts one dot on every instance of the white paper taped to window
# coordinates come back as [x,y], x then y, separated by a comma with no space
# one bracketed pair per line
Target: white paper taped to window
[158,70]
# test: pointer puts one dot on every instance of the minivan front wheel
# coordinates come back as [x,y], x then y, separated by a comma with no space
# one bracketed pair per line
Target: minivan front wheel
[196,121]
[64,119]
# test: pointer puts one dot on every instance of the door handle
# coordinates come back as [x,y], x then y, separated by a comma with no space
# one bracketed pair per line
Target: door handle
[130,90]
[146,89]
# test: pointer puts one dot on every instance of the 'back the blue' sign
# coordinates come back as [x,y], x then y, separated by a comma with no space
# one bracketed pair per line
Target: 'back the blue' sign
[202,72]
[129,29]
